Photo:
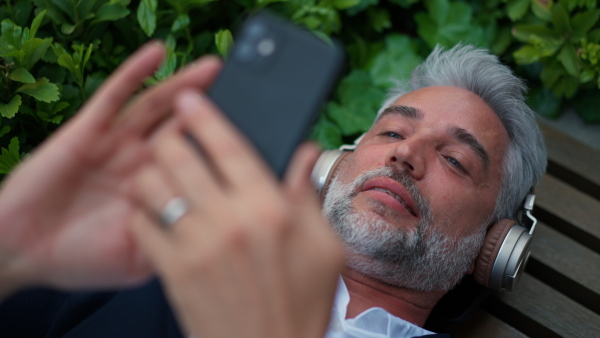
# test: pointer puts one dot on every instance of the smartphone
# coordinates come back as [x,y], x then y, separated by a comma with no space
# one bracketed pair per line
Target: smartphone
[274,83]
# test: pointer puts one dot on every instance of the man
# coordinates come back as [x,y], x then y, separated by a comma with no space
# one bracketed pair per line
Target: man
[411,204]
[440,165]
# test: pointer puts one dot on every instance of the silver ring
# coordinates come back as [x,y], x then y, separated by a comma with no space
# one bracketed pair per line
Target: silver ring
[173,211]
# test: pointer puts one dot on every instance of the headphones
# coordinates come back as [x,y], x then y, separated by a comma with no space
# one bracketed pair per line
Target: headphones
[505,250]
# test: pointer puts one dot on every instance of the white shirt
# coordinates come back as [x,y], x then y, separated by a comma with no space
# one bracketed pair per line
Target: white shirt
[373,323]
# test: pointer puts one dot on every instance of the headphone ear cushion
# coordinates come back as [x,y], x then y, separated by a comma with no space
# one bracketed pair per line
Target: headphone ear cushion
[326,168]
[489,251]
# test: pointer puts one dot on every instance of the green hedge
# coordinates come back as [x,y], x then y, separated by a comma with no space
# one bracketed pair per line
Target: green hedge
[55,53]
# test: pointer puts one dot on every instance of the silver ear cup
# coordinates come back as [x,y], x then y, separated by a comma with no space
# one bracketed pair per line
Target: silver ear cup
[323,169]
[511,259]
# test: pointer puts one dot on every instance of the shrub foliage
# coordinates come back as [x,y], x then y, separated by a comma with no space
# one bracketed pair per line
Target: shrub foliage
[55,53]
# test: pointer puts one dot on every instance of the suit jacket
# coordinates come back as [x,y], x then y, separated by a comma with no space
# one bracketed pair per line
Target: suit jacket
[141,312]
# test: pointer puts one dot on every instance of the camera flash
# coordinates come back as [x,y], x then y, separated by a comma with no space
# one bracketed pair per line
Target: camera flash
[265,47]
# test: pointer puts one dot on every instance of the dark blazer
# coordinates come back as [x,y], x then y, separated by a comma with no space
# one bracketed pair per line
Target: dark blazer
[140,312]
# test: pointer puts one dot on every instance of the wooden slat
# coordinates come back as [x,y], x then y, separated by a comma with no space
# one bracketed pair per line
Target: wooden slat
[562,200]
[551,309]
[482,324]
[572,154]
[567,256]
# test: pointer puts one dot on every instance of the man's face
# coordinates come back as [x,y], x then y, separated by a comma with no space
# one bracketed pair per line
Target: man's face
[441,145]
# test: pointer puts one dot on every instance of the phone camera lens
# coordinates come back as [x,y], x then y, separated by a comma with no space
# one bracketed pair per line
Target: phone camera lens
[256,30]
[245,53]
[265,47]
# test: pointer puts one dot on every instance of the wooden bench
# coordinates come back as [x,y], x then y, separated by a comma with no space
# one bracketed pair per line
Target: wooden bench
[559,294]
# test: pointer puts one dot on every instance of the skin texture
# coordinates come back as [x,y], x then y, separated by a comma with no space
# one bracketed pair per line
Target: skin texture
[65,212]
[461,196]
[239,255]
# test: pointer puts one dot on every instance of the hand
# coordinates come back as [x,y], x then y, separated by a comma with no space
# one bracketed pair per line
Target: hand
[252,257]
[65,212]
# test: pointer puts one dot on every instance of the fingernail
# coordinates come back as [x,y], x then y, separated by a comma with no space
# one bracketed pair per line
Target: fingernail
[187,103]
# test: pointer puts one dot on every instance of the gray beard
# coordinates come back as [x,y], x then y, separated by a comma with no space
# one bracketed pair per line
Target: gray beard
[419,259]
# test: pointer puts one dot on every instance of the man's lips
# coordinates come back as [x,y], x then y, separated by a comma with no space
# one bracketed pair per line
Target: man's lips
[393,189]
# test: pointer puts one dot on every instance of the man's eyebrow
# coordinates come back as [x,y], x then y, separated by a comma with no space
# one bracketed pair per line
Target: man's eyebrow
[467,138]
[406,111]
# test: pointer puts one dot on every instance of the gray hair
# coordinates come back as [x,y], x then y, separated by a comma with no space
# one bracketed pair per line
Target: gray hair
[481,73]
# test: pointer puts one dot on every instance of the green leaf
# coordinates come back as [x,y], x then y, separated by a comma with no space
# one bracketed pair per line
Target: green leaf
[586,75]
[66,60]
[560,19]
[110,12]
[42,90]
[9,110]
[448,24]
[11,36]
[566,86]
[438,10]
[224,42]
[263,3]
[358,102]
[22,11]
[502,41]
[4,130]
[326,133]
[534,33]
[379,19]
[551,73]
[92,83]
[396,62]
[37,21]
[583,22]
[85,9]
[146,15]
[66,6]
[182,21]
[361,6]
[349,120]
[527,54]
[517,8]
[543,102]
[344,4]
[10,158]
[67,28]
[170,62]
[404,3]
[541,9]
[21,75]
[34,50]
[568,58]
[87,55]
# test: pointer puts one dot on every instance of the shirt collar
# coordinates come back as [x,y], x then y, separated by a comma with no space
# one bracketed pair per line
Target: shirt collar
[374,322]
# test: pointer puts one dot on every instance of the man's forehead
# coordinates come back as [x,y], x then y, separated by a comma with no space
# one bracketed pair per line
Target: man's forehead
[456,112]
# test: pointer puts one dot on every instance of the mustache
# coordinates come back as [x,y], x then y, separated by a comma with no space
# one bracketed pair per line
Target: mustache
[400,176]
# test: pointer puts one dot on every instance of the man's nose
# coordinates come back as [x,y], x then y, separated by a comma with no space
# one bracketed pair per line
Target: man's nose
[410,155]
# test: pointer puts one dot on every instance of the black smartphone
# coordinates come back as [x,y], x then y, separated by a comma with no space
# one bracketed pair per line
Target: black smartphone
[274,83]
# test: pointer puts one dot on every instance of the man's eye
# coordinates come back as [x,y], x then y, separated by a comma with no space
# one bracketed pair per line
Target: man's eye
[456,163]
[392,134]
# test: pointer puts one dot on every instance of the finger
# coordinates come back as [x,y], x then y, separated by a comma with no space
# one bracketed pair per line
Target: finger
[297,179]
[152,191]
[151,239]
[152,105]
[188,171]
[236,161]
[99,112]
